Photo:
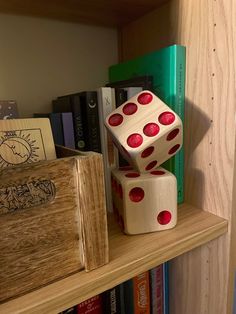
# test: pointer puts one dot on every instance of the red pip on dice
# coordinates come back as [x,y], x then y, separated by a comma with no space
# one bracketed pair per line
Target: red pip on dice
[147,133]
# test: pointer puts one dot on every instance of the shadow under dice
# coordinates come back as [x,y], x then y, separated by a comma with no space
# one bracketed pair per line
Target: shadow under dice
[146,131]
[144,202]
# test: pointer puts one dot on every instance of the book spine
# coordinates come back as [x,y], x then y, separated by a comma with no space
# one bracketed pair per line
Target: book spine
[105,106]
[166,287]
[111,301]
[71,310]
[56,125]
[90,107]
[178,105]
[141,294]
[156,287]
[68,129]
[91,306]
[129,296]
[79,123]
[57,130]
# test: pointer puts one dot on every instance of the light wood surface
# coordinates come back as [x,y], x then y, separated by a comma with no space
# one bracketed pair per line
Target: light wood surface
[207,29]
[100,12]
[129,256]
[25,141]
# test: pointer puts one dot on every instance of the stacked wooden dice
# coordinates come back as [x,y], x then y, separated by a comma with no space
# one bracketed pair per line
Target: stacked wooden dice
[147,133]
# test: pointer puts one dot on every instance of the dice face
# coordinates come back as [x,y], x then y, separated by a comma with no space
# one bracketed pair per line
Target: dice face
[146,131]
[144,202]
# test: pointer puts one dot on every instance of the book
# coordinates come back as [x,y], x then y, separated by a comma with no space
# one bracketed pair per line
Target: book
[91,306]
[25,141]
[106,104]
[71,103]
[8,109]
[68,129]
[137,294]
[145,82]
[166,287]
[167,67]
[90,118]
[71,310]
[56,126]
[156,289]
[111,300]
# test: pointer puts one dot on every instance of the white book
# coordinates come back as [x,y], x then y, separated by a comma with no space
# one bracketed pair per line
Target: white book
[132,91]
[106,104]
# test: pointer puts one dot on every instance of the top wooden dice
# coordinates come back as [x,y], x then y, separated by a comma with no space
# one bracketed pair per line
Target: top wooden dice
[146,131]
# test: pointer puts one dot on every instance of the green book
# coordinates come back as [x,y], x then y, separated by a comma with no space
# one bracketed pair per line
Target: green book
[167,67]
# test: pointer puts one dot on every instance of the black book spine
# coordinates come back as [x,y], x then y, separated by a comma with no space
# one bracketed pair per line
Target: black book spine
[111,301]
[89,105]
[71,103]
[79,128]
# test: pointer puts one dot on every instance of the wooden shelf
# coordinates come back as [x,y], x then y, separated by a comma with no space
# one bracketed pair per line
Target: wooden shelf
[129,256]
[100,12]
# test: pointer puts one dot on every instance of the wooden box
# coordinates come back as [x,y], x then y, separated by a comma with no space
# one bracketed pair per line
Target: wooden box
[52,221]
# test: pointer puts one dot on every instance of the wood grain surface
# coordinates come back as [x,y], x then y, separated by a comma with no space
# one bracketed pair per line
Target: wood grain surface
[24,141]
[62,235]
[129,256]
[40,244]
[202,280]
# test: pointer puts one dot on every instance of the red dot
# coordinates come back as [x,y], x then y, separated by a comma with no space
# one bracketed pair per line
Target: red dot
[145,98]
[151,129]
[166,118]
[174,149]
[132,175]
[136,194]
[164,217]
[147,152]
[157,172]
[130,108]
[125,168]
[172,134]
[115,119]
[135,140]
[151,165]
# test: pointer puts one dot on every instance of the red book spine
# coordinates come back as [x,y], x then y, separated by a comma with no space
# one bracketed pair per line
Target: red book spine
[141,294]
[91,306]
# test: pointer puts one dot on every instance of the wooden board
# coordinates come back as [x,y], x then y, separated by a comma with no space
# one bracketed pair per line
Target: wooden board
[129,256]
[207,29]
[25,141]
[52,221]
[101,12]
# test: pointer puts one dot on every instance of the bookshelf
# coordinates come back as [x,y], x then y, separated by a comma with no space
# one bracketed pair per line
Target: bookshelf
[204,255]
[129,256]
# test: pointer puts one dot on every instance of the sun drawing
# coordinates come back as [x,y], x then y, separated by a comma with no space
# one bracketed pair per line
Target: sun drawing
[16,148]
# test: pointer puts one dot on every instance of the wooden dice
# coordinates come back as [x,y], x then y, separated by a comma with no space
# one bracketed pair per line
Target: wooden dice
[146,131]
[144,202]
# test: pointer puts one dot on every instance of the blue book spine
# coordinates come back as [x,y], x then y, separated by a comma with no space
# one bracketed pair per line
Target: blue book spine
[68,129]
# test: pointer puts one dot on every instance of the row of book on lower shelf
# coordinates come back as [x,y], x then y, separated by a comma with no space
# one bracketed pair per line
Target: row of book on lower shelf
[146,293]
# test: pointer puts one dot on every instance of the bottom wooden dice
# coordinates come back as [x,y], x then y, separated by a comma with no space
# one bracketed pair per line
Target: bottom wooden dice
[144,202]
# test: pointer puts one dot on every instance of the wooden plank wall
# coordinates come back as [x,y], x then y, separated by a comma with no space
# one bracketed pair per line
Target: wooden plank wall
[201,280]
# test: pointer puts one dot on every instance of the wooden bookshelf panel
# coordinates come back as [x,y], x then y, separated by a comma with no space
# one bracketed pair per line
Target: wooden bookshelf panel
[129,256]
[102,12]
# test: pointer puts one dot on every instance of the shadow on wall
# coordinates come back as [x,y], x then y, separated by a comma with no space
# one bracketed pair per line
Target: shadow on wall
[196,125]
